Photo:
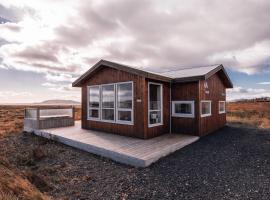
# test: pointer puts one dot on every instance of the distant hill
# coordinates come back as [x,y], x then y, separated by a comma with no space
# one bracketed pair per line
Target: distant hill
[261,99]
[59,101]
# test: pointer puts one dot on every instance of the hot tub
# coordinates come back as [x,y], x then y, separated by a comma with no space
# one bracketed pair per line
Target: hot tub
[45,118]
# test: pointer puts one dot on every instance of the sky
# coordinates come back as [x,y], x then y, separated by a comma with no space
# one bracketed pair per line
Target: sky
[46,45]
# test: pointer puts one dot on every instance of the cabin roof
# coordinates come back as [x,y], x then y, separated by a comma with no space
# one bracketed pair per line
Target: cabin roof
[180,75]
[189,72]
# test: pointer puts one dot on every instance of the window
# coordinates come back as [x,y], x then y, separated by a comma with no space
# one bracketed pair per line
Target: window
[125,102]
[154,104]
[111,102]
[183,109]
[221,107]
[94,98]
[107,105]
[205,108]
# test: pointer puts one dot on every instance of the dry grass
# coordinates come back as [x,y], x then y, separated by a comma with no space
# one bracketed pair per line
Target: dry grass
[254,114]
[14,186]
[11,117]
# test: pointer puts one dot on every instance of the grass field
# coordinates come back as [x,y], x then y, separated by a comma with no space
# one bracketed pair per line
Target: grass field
[249,114]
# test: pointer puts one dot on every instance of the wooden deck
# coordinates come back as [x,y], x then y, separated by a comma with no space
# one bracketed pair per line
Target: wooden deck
[127,150]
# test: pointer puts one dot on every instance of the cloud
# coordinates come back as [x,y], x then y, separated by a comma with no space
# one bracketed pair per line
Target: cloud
[13,93]
[62,39]
[37,53]
[264,83]
[250,60]
[62,88]
[10,96]
[13,13]
[246,93]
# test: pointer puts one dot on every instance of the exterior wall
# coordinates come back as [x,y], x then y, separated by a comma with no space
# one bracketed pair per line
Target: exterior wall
[180,91]
[186,92]
[217,92]
[151,132]
[108,75]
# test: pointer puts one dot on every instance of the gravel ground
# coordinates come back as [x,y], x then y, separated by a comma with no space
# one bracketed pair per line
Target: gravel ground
[233,163]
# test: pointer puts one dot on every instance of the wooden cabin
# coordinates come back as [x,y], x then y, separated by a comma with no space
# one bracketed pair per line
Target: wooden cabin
[133,102]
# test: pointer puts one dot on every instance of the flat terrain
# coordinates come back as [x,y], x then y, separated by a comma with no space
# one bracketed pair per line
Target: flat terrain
[249,114]
[233,163]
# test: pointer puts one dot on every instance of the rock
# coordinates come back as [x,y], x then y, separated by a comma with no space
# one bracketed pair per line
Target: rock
[39,153]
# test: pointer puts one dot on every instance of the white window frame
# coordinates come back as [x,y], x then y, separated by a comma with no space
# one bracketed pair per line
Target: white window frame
[161,107]
[116,121]
[192,115]
[208,114]
[101,100]
[94,108]
[221,111]
[124,109]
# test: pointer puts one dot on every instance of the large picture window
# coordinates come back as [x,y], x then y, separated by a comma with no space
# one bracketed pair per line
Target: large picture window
[94,98]
[107,105]
[111,102]
[221,107]
[124,102]
[154,104]
[183,109]
[205,108]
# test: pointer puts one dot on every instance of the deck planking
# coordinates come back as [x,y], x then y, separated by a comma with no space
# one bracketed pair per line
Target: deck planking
[127,150]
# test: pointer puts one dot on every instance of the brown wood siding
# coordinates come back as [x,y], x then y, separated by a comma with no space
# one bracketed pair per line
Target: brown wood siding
[151,132]
[186,92]
[109,75]
[216,88]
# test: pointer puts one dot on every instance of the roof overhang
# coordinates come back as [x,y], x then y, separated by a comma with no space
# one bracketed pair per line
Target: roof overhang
[104,63]
[220,70]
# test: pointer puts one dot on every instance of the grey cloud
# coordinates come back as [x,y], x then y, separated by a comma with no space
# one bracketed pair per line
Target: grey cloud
[49,67]
[12,26]
[3,42]
[166,34]
[43,52]
[32,54]
[184,37]
[14,14]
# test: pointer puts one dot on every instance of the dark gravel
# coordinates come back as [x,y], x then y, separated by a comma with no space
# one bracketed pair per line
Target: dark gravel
[233,163]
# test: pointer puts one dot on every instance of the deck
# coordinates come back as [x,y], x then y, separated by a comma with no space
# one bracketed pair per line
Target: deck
[127,150]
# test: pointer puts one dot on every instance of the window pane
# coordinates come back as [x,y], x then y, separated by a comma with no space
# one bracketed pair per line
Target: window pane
[124,115]
[155,117]
[183,108]
[221,106]
[108,114]
[205,107]
[93,113]
[155,97]
[108,96]
[124,92]
[94,96]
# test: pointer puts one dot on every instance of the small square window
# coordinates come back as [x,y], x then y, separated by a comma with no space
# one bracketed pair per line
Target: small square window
[221,107]
[183,109]
[205,108]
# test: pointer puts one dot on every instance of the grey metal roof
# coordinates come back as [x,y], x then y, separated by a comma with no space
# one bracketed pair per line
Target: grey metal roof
[189,72]
[179,75]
